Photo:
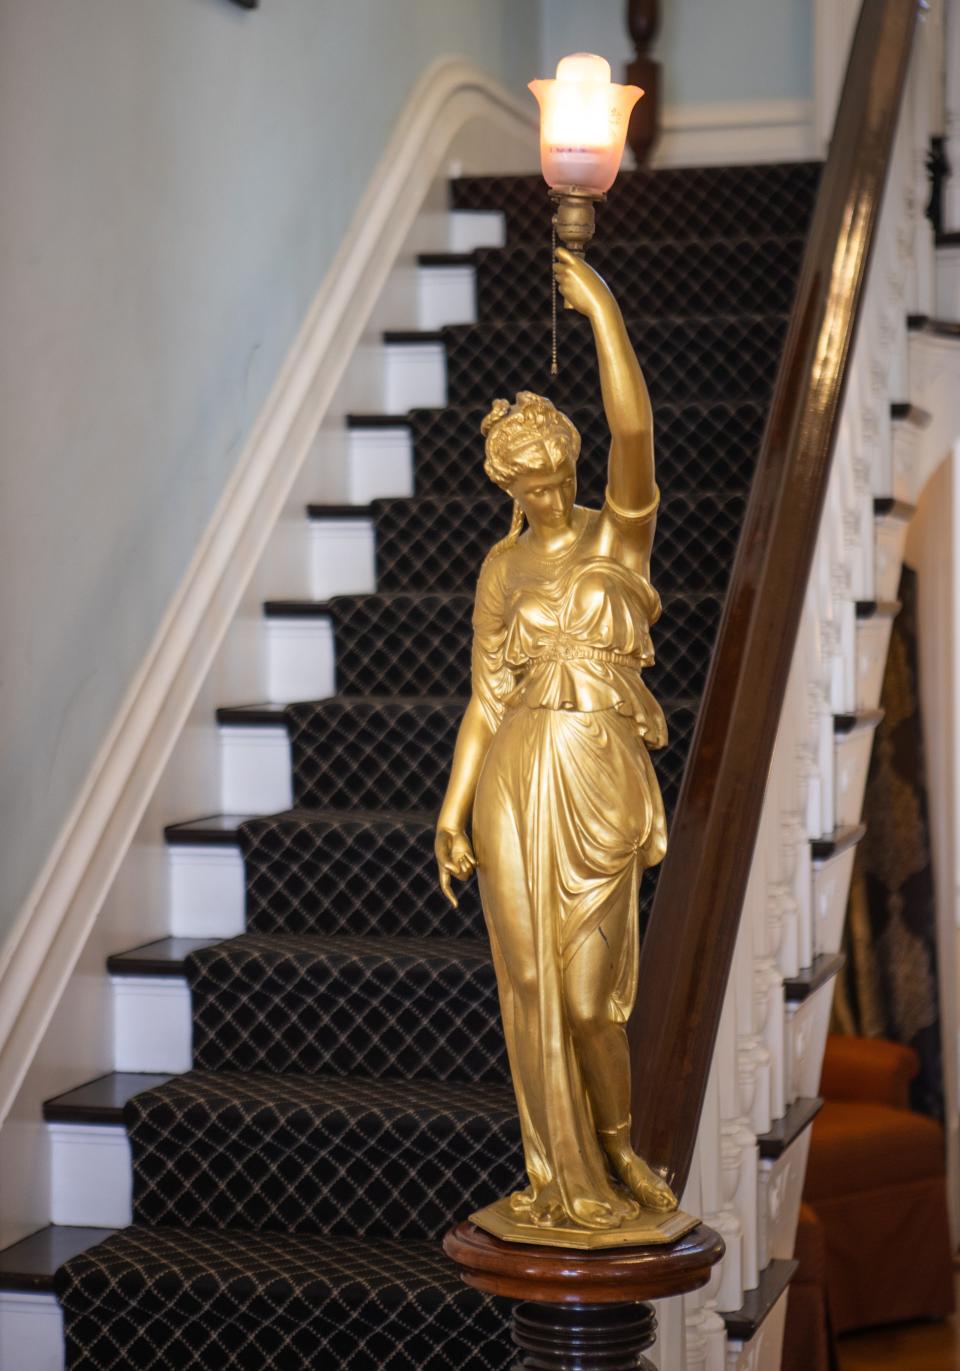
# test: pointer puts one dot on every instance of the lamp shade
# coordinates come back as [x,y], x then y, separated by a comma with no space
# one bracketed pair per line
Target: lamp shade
[583,123]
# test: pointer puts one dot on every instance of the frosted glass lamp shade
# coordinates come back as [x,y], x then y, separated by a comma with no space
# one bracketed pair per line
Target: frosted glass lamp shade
[583,124]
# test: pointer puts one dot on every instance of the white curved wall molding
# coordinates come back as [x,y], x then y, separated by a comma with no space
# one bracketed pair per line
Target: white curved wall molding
[455,111]
[730,132]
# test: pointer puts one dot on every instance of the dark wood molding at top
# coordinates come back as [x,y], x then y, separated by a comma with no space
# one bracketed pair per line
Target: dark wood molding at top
[689,944]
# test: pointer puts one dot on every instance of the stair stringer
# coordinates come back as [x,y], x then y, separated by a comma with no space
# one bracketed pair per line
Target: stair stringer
[105,883]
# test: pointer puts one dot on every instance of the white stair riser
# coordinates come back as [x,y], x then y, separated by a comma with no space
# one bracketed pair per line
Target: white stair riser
[852,761]
[763,1351]
[469,229]
[207,895]
[873,640]
[342,557]
[152,1025]
[255,770]
[781,1190]
[446,295]
[379,464]
[948,283]
[831,885]
[414,377]
[807,1024]
[91,1180]
[31,1332]
[890,536]
[300,659]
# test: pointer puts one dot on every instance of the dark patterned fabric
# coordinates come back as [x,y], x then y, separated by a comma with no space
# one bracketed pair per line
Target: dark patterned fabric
[161,1298]
[400,1008]
[372,753]
[697,445]
[704,357]
[370,875]
[349,1096]
[889,989]
[439,542]
[754,274]
[676,203]
[418,643]
[295,1154]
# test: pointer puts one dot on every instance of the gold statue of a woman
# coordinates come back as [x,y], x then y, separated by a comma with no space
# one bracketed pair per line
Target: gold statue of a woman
[551,761]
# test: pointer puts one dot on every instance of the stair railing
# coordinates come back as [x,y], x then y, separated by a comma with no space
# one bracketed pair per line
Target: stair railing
[760,786]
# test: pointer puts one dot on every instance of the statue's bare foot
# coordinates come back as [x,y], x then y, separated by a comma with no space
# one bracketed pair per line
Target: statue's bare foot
[641,1180]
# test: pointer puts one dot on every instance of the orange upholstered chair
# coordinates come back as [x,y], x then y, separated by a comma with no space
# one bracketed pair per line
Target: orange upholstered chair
[807,1341]
[876,1180]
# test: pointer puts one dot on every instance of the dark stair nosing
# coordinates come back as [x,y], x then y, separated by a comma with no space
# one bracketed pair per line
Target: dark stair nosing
[744,1322]
[878,609]
[213,830]
[857,721]
[249,716]
[222,830]
[948,239]
[888,507]
[448,259]
[935,328]
[903,411]
[320,511]
[822,969]
[296,609]
[164,957]
[101,1100]
[837,842]
[30,1263]
[412,335]
[785,1131]
[378,421]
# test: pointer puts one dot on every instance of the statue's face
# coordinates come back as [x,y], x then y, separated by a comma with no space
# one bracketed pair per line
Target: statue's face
[546,496]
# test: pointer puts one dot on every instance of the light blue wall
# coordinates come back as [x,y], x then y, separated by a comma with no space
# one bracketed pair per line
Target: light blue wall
[166,218]
[728,50]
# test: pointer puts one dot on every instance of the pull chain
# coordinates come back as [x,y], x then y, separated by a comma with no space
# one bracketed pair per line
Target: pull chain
[553,301]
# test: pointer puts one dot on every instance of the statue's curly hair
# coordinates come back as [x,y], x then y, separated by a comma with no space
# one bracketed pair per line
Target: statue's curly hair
[529,435]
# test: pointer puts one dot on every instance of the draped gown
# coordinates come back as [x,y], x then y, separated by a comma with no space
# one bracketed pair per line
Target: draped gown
[567,814]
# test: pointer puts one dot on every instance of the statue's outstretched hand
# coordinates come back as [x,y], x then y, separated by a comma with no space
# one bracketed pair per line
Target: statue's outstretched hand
[454,858]
[580,285]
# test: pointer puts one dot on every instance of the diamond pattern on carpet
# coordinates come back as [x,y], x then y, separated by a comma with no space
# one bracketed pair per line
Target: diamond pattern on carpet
[438,543]
[372,753]
[299,1154]
[156,1298]
[705,358]
[675,203]
[697,445]
[397,1008]
[311,871]
[734,274]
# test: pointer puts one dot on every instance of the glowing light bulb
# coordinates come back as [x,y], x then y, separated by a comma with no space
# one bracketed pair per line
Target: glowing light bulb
[583,124]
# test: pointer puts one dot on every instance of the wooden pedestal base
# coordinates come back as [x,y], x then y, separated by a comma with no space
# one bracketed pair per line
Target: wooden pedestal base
[583,1311]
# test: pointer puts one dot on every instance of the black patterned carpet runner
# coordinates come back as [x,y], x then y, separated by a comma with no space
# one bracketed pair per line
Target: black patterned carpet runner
[349,1097]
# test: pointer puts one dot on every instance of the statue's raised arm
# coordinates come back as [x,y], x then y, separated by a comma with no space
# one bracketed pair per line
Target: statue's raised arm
[631,486]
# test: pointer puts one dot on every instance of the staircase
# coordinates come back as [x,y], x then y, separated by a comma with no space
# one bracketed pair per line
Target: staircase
[340,1093]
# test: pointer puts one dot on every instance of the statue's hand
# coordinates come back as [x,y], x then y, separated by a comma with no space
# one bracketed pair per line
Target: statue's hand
[580,285]
[454,858]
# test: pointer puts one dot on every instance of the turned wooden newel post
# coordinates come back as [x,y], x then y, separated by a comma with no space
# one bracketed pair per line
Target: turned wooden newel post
[583,1310]
[643,22]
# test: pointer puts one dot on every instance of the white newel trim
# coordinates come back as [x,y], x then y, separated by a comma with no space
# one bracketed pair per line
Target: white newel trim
[454,110]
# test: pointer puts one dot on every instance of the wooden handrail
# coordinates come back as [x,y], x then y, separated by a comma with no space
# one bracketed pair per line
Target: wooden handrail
[689,945]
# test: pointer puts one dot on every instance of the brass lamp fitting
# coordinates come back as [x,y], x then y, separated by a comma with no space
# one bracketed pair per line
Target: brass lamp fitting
[574,218]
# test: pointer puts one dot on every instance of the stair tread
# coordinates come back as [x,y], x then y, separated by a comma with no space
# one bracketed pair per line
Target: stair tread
[30,1263]
[822,969]
[101,1100]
